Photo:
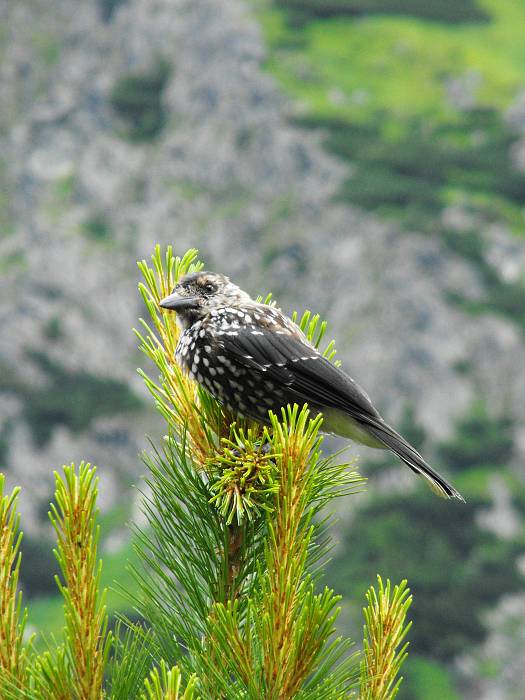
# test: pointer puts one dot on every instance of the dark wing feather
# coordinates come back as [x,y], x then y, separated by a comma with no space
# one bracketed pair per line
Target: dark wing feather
[307,375]
[255,352]
[311,378]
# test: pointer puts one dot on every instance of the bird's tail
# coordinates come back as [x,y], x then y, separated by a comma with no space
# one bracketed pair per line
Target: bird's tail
[411,457]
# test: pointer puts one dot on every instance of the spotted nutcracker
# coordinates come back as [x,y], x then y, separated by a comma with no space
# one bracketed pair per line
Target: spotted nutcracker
[253,359]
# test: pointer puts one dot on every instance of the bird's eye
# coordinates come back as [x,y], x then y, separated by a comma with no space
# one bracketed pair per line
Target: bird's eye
[209,288]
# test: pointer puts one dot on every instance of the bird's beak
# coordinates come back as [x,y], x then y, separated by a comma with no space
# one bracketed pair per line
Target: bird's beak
[176,302]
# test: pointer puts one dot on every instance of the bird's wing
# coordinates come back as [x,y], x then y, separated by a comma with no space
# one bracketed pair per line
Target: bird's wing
[306,374]
[309,377]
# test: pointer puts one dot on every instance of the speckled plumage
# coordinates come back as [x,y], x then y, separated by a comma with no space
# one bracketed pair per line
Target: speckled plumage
[253,359]
[216,353]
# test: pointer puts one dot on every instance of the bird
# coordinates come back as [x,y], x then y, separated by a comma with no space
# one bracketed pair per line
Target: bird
[254,359]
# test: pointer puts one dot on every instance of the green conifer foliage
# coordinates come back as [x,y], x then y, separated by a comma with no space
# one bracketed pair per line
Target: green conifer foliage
[229,586]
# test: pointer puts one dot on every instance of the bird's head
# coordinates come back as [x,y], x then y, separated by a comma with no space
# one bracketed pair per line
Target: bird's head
[198,293]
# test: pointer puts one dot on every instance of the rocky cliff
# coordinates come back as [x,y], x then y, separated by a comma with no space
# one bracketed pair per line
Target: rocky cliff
[81,201]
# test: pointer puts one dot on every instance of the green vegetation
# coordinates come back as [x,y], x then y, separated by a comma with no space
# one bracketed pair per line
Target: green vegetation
[116,577]
[481,440]
[227,566]
[73,399]
[10,261]
[137,101]
[443,10]
[427,679]
[53,329]
[189,190]
[413,175]
[46,606]
[457,571]
[64,187]
[396,65]
[415,107]
[60,196]
[502,297]
[47,47]
[13,652]
[97,227]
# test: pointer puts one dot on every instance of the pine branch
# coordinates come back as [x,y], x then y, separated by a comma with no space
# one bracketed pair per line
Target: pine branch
[176,396]
[167,685]
[296,623]
[231,660]
[134,653]
[181,550]
[232,557]
[315,330]
[213,447]
[241,478]
[384,631]
[13,653]
[280,645]
[286,555]
[51,676]
[77,669]
[231,552]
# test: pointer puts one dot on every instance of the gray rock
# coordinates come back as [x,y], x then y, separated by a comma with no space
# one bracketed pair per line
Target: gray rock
[231,176]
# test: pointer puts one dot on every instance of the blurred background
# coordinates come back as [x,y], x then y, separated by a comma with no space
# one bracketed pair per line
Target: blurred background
[361,158]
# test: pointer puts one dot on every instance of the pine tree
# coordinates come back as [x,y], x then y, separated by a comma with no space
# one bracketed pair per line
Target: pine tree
[229,588]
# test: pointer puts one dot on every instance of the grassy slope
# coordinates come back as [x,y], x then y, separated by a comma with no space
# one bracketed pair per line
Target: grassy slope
[396,64]
[379,86]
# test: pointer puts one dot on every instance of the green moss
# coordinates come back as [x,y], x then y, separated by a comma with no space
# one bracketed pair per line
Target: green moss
[136,99]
